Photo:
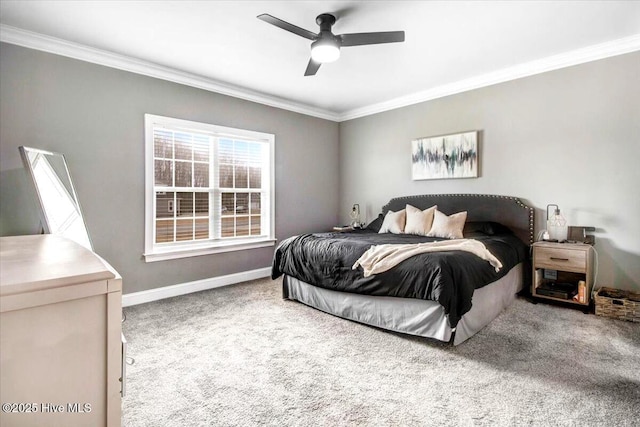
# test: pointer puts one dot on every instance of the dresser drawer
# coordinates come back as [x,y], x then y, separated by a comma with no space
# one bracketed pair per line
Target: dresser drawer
[561,259]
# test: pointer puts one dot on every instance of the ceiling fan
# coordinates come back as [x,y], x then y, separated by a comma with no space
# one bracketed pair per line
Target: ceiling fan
[326,46]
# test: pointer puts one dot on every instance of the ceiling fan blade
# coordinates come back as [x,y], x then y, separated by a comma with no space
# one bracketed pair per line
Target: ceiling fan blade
[289,27]
[359,39]
[312,68]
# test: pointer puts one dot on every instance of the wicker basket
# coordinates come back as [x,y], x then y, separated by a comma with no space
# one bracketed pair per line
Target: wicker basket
[618,304]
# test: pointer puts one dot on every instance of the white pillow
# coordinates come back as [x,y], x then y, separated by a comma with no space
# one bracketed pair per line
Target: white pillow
[448,227]
[419,222]
[393,222]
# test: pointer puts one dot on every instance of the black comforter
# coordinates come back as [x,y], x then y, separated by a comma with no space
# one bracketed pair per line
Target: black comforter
[325,260]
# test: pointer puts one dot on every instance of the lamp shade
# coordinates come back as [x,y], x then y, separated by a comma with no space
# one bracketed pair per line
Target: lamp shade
[556,225]
[355,216]
[325,50]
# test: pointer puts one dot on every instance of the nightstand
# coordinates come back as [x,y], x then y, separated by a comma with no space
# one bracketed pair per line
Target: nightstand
[563,272]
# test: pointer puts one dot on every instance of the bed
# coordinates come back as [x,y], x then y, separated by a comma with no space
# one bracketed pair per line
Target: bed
[446,295]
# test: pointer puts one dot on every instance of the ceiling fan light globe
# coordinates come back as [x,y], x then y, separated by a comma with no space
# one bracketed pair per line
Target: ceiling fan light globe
[324,52]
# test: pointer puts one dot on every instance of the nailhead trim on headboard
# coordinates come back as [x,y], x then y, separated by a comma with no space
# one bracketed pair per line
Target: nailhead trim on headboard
[480,207]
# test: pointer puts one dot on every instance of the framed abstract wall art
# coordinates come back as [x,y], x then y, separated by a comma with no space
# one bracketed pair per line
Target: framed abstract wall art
[446,156]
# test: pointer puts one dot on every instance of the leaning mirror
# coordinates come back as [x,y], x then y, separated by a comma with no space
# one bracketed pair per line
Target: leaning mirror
[60,209]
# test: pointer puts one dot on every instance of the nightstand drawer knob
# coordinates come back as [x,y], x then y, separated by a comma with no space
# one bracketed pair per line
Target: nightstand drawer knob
[559,259]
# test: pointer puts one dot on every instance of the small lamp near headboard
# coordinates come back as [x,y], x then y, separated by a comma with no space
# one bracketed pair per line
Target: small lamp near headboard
[355,216]
[556,224]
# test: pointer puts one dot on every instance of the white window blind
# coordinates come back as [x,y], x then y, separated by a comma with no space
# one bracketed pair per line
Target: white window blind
[209,188]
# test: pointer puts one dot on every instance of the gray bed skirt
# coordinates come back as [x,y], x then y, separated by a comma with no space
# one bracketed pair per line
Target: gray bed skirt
[408,315]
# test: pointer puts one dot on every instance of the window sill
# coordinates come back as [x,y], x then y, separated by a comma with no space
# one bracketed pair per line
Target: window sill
[175,253]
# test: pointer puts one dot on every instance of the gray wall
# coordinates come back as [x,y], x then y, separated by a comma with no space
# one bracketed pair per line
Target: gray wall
[569,137]
[95,116]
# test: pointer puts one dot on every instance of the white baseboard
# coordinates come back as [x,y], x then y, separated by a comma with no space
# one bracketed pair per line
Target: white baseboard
[142,297]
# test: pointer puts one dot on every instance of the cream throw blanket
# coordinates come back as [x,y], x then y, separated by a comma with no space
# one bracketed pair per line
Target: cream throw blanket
[380,258]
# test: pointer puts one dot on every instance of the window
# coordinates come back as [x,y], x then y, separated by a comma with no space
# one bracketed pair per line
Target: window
[208,189]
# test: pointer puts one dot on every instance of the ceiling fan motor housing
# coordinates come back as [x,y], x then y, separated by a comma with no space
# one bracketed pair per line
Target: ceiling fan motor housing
[326,48]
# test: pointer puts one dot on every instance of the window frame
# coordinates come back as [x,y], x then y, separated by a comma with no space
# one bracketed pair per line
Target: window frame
[166,251]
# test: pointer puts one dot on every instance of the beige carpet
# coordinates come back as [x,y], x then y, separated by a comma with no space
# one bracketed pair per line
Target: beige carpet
[242,356]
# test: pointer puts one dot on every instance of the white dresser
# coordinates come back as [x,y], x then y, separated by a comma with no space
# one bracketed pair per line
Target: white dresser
[60,334]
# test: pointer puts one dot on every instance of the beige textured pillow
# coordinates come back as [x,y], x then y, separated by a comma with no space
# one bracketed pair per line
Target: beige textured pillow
[419,222]
[393,222]
[448,227]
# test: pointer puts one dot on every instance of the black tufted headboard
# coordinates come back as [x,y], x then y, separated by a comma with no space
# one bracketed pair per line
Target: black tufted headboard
[509,211]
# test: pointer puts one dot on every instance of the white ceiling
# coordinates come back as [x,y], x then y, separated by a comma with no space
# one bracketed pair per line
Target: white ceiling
[220,45]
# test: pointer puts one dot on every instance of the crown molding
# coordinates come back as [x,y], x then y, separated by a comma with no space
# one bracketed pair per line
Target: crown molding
[61,47]
[69,49]
[568,59]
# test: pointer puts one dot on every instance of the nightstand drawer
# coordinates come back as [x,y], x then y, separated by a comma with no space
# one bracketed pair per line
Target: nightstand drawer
[561,259]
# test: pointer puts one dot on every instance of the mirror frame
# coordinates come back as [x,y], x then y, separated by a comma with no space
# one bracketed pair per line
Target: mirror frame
[44,219]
